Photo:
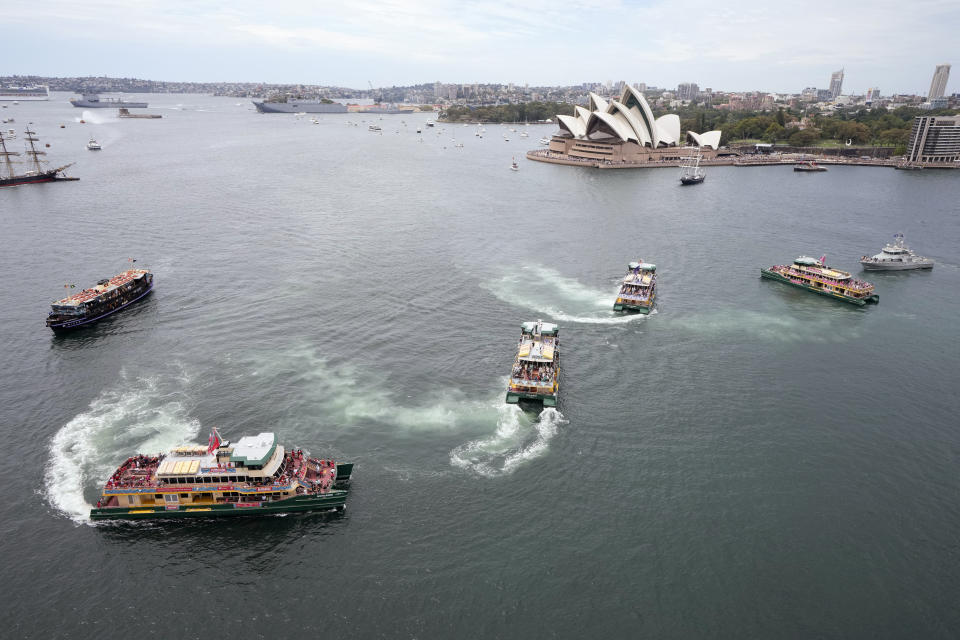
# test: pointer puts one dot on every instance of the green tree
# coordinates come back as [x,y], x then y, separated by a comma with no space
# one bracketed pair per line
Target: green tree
[773,133]
[803,138]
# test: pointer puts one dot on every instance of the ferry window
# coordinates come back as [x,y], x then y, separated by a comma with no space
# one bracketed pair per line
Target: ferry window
[170,497]
[183,495]
[131,500]
[158,496]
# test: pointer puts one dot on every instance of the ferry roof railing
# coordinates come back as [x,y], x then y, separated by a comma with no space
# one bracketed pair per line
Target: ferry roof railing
[99,289]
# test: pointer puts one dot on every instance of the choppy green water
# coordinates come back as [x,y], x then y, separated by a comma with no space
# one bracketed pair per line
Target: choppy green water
[749,461]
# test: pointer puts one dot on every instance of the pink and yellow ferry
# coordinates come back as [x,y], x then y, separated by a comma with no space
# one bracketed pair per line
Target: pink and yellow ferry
[254,476]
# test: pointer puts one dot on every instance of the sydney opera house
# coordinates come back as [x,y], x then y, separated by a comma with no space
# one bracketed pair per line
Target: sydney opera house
[623,132]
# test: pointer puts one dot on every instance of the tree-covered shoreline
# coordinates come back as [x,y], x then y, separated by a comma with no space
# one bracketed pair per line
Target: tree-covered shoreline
[796,127]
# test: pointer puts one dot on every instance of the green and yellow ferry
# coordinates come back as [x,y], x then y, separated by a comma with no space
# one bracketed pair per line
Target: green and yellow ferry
[536,371]
[813,275]
[254,476]
[638,289]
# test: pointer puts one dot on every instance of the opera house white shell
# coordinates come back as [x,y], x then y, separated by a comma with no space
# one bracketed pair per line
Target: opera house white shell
[629,119]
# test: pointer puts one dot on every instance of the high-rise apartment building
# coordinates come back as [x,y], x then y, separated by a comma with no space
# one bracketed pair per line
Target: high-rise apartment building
[687,91]
[873,94]
[836,84]
[934,139]
[939,83]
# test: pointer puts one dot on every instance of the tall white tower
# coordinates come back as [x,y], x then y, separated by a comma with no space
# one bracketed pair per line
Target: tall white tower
[939,83]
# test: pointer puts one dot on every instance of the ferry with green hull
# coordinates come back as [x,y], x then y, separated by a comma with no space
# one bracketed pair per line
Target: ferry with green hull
[813,275]
[536,370]
[255,476]
[638,289]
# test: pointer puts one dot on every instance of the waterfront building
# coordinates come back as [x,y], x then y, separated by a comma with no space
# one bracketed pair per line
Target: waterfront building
[873,94]
[836,84]
[938,85]
[624,131]
[934,140]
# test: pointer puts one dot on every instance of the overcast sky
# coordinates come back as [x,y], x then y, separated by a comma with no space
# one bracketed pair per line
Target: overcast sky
[761,45]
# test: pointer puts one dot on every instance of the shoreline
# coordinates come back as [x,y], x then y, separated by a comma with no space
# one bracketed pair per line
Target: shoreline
[552,157]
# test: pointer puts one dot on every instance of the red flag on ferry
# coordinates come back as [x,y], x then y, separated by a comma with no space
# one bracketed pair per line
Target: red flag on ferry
[214,441]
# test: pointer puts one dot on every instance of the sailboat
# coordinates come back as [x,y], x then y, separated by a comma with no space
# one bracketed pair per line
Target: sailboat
[37,174]
[514,166]
[690,170]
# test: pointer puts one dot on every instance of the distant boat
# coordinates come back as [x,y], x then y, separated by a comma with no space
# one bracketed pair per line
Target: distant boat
[300,107]
[35,175]
[514,166]
[93,101]
[16,94]
[373,127]
[809,166]
[429,123]
[93,145]
[544,141]
[690,170]
[895,256]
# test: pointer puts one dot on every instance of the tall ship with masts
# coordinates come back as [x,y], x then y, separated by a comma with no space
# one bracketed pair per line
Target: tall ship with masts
[38,173]
[690,170]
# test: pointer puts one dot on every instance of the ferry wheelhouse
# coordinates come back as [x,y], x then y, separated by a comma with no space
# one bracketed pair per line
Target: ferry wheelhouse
[536,371]
[813,275]
[638,289]
[107,296]
[254,476]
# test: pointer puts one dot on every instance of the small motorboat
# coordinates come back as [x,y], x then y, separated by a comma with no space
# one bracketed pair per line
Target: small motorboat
[93,145]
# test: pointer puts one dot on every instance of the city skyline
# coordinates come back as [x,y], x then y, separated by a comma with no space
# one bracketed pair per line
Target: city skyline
[740,48]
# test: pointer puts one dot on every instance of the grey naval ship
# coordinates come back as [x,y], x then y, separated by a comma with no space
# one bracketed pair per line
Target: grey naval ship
[300,106]
[93,101]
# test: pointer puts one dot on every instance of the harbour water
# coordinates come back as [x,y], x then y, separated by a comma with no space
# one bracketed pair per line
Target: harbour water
[748,461]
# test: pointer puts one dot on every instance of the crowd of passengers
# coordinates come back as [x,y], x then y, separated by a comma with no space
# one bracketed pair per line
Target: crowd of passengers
[851,283]
[146,463]
[634,290]
[533,371]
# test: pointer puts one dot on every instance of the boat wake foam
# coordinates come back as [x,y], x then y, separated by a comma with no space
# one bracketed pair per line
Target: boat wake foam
[95,117]
[558,297]
[517,440]
[137,418]
[340,393]
[820,327]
